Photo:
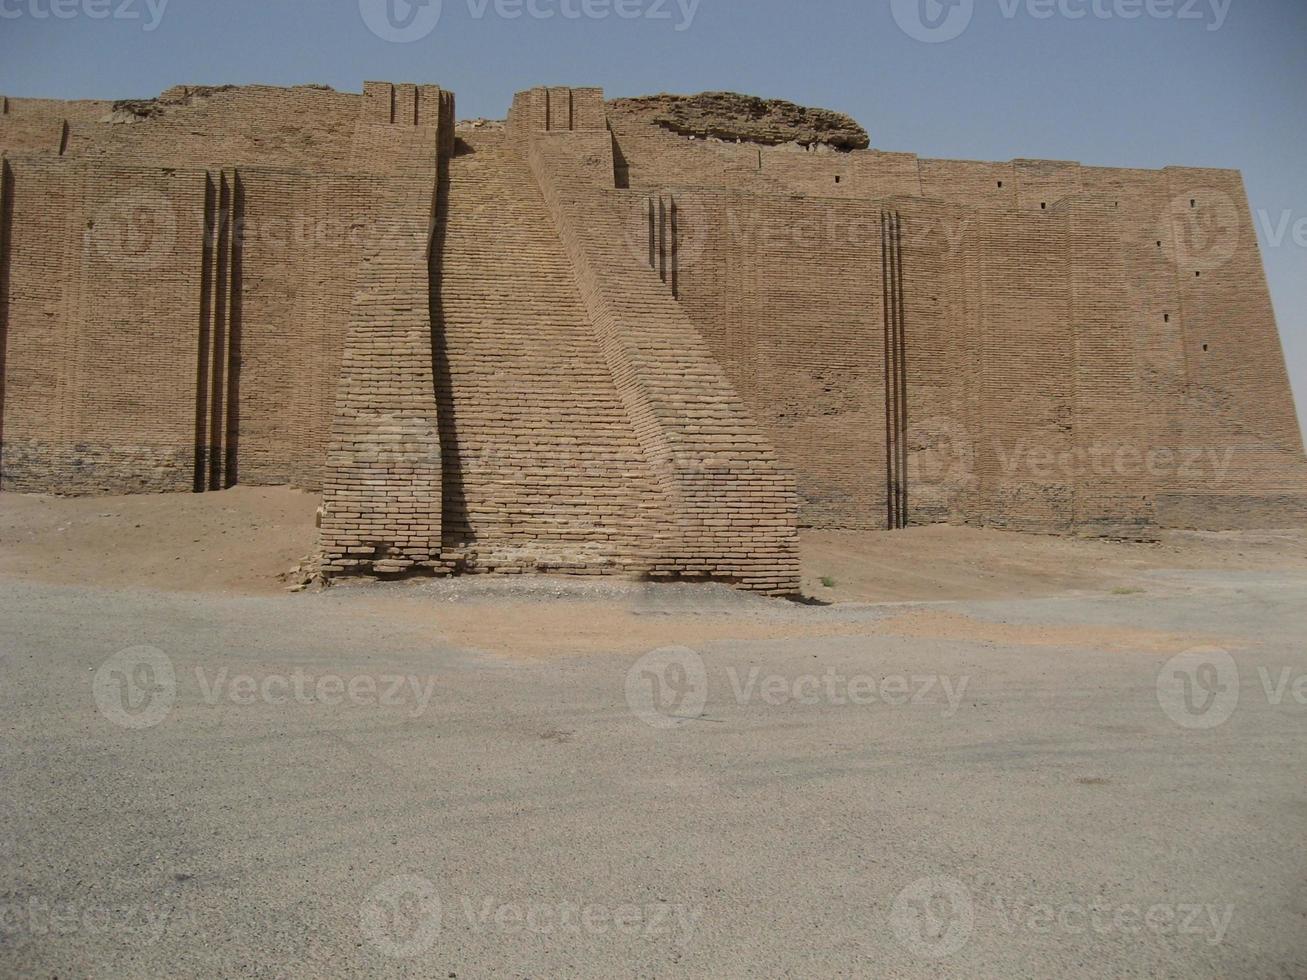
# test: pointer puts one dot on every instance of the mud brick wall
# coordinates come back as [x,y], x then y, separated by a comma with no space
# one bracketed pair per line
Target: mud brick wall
[6,224]
[1052,320]
[301,237]
[102,292]
[756,274]
[236,285]
[382,488]
[382,484]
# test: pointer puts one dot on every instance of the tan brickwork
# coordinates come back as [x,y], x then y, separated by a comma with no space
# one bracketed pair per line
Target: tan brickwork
[578,343]
[1068,332]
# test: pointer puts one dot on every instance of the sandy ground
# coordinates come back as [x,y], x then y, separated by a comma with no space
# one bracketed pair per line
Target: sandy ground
[236,542]
[980,758]
[243,541]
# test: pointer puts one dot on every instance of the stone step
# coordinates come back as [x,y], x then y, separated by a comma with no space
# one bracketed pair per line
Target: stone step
[542,466]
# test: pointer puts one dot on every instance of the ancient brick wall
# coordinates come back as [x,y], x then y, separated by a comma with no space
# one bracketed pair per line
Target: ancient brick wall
[591,350]
[542,468]
[102,302]
[809,367]
[382,483]
[1056,365]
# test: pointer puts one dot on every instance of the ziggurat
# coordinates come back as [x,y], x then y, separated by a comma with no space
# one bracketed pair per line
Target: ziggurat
[586,342]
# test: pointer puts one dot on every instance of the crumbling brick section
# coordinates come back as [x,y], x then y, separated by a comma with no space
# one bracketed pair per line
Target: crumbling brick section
[732,511]
[382,489]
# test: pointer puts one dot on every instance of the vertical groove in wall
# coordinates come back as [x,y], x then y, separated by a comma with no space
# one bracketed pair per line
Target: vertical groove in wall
[1181,314]
[889,377]
[903,371]
[6,210]
[664,252]
[896,369]
[63,137]
[216,376]
[676,260]
[662,238]
[237,224]
[653,235]
[200,480]
[217,456]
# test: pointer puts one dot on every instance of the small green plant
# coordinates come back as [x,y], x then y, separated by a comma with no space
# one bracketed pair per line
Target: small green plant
[828,582]
[1124,590]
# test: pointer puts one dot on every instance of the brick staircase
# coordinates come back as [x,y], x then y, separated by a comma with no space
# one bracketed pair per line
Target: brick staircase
[542,470]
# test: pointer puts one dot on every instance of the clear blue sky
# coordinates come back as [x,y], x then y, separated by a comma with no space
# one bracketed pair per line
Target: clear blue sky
[1219,83]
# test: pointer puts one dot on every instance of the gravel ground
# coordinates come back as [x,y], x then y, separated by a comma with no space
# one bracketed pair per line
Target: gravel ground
[530,779]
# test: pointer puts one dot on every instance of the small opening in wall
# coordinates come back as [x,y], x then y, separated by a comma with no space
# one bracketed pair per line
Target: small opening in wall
[1193,202]
[1166,317]
[1000,183]
[1043,205]
[1159,244]
[837,179]
[1205,348]
[1197,274]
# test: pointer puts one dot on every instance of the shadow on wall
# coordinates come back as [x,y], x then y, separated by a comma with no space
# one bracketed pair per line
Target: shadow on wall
[453,496]
[234,341]
[217,389]
[6,211]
